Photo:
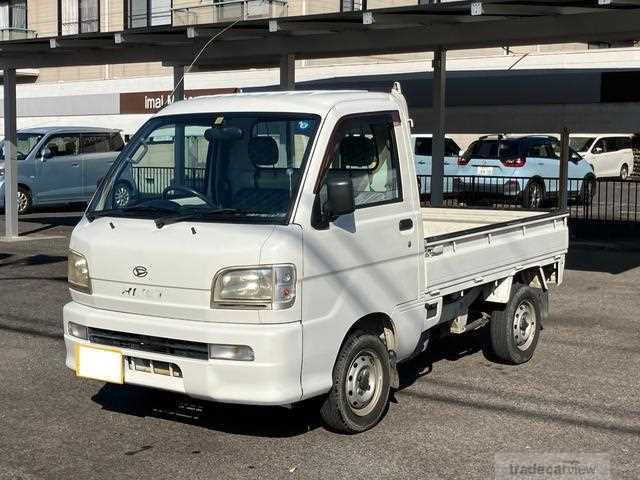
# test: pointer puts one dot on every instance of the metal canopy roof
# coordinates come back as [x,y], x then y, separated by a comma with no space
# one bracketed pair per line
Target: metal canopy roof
[262,43]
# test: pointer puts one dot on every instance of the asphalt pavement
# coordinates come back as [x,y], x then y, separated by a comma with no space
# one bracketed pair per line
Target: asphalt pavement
[455,410]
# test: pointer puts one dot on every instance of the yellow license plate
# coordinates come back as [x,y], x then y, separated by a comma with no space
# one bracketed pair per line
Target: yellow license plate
[104,364]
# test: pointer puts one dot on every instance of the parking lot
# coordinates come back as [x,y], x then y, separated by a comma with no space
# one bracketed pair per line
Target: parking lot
[454,411]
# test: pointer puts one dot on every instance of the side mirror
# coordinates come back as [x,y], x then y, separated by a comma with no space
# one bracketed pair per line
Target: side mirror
[598,150]
[340,199]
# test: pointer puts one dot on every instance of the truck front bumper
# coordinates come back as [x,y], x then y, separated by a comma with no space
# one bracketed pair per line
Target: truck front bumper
[272,378]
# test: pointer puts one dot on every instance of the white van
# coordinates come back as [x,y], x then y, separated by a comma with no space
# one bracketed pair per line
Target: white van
[610,155]
[298,264]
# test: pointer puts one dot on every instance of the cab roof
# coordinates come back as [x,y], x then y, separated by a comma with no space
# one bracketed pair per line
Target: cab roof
[313,101]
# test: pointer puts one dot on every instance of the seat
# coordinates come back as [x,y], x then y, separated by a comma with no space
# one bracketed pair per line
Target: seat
[272,186]
[359,156]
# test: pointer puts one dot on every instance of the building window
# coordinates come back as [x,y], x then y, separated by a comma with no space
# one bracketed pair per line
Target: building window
[79,16]
[352,5]
[148,13]
[13,15]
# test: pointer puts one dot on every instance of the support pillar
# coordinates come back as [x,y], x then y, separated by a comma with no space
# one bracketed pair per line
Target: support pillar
[10,155]
[179,141]
[288,72]
[439,117]
[563,196]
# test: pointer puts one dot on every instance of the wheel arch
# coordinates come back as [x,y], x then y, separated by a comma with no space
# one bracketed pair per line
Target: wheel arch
[25,185]
[536,179]
[379,322]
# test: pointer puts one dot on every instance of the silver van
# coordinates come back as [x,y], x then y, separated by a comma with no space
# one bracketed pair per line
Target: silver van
[59,165]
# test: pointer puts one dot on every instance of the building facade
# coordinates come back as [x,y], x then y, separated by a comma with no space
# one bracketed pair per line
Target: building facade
[100,95]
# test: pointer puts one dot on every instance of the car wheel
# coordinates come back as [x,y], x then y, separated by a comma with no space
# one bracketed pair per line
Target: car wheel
[361,384]
[24,200]
[624,172]
[588,190]
[121,195]
[515,329]
[533,195]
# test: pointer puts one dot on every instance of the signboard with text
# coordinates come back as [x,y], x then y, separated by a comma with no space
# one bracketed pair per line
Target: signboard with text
[153,102]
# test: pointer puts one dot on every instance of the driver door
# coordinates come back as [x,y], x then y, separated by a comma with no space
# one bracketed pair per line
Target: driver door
[60,170]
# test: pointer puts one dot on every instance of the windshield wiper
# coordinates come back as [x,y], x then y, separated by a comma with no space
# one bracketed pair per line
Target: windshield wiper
[194,215]
[120,212]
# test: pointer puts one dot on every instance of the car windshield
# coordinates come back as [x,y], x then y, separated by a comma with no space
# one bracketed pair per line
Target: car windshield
[26,142]
[243,167]
[581,144]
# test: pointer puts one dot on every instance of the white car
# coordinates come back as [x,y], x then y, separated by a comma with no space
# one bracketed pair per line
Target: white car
[610,155]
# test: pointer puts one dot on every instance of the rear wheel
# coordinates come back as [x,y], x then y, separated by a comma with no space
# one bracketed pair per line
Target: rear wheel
[515,329]
[24,200]
[361,384]
[624,172]
[533,195]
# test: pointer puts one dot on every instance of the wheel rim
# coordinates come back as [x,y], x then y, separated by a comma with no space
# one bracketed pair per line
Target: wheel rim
[363,385]
[535,196]
[624,172]
[23,201]
[121,196]
[524,325]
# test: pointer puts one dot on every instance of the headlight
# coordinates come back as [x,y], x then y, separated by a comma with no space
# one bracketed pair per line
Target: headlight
[267,287]
[78,272]
[1,171]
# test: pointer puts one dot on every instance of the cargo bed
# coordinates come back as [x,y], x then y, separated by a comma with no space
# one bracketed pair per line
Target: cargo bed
[470,247]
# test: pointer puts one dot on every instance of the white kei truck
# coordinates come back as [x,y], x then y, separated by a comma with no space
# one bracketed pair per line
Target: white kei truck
[288,257]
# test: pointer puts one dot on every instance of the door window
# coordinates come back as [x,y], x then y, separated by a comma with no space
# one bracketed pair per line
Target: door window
[623,143]
[611,144]
[599,147]
[63,145]
[365,147]
[102,143]
[423,146]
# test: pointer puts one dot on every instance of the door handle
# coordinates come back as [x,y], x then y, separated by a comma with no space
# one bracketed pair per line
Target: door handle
[75,164]
[406,224]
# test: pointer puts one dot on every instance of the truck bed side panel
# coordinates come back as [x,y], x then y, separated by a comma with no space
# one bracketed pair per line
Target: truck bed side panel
[478,257]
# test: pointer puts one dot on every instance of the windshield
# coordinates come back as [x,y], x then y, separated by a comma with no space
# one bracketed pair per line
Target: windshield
[581,144]
[26,142]
[242,167]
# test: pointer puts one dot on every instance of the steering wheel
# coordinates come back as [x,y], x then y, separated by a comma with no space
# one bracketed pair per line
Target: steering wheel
[195,193]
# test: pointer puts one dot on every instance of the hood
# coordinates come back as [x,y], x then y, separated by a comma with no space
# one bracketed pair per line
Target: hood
[137,268]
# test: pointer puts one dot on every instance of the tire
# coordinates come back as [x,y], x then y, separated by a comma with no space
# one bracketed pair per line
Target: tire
[25,201]
[121,195]
[363,361]
[588,190]
[533,195]
[515,329]
[624,172]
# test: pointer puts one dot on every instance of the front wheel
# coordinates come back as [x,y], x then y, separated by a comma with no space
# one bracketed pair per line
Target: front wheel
[624,172]
[515,329]
[588,190]
[361,384]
